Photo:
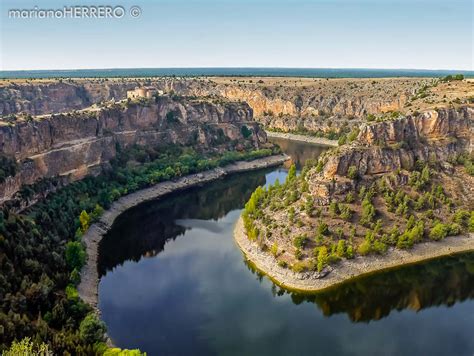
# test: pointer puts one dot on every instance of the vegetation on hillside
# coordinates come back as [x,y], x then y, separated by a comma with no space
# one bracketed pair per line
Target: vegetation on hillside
[374,216]
[41,250]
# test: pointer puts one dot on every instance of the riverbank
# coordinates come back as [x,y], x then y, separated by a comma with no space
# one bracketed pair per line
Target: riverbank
[88,288]
[302,138]
[347,269]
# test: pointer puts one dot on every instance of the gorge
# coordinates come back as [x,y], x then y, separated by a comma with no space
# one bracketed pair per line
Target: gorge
[81,163]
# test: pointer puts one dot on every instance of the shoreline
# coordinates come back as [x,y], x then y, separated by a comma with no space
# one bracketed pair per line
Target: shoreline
[302,138]
[88,287]
[347,270]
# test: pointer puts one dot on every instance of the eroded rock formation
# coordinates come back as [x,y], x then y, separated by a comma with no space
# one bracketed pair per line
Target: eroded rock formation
[75,144]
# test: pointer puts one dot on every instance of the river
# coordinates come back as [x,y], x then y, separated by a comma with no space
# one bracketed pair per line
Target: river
[173,282]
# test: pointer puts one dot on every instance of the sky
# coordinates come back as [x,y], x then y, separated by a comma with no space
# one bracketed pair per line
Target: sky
[410,34]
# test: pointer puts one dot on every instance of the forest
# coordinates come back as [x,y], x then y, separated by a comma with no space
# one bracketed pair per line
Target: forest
[41,252]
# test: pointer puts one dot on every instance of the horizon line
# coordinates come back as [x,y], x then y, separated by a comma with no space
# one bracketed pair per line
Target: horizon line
[232,67]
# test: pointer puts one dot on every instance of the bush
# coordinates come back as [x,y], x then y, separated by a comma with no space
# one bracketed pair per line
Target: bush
[352,172]
[364,248]
[454,229]
[346,212]
[379,247]
[368,212]
[299,267]
[341,248]
[91,329]
[323,228]
[26,347]
[350,198]
[300,241]
[274,249]
[439,231]
[322,258]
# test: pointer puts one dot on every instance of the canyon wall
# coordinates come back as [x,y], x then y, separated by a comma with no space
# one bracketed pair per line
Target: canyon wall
[75,144]
[277,104]
[397,144]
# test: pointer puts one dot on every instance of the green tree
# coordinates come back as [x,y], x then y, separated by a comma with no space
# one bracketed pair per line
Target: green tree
[91,329]
[439,231]
[84,219]
[322,258]
[341,248]
[291,173]
[75,255]
[26,347]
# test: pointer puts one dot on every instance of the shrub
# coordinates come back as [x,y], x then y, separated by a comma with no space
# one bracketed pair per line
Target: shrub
[322,258]
[368,212]
[364,248]
[405,241]
[91,329]
[274,249]
[299,267]
[282,264]
[352,172]
[454,229]
[350,252]
[26,347]
[461,217]
[379,247]
[439,231]
[346,212]
[334,209]
[323,228]
[300,241]
[341,248]
[350,198]
[298,254]
[471,222]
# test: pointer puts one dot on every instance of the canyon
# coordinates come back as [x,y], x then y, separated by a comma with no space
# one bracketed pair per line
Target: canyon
[77,143]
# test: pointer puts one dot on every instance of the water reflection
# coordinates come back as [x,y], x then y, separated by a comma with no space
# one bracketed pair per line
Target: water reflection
[440,282]
[143,231]
[193,295]
[299,152]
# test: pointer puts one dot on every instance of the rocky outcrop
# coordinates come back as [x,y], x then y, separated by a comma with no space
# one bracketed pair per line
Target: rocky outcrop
[281,104]
[397,144]
[55,97]
[76,144]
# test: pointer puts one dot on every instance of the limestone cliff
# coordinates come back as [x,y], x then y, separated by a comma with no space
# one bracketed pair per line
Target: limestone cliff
[74,144]
[397,144]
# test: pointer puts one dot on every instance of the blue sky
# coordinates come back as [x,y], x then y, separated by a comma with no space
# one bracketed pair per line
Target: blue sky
[421,34]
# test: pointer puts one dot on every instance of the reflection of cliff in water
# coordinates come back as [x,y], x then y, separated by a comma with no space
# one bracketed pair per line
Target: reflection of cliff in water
[300,152]
[441,282]
[144,230]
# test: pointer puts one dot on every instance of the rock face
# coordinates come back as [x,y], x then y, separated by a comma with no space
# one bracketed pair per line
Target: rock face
[279,104]
[391,145]
[75,144]
[57,97]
